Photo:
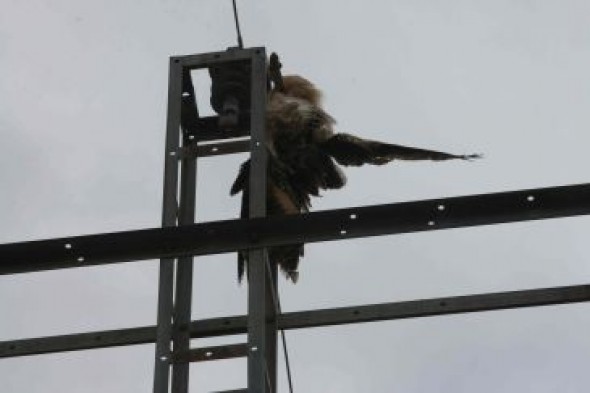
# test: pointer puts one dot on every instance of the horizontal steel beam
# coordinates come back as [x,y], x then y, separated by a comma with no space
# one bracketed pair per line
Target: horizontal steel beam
[211,353]
[206,129]
[231,235]
[215,149]
[202,60]
[308,319]
[233,391]
[79,341]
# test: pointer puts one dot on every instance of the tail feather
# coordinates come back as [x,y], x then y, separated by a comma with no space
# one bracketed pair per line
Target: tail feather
[241,266]
[293,276]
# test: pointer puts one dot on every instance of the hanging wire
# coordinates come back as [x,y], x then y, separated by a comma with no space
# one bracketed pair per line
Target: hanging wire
[286,352]
[277,303]
[240,42]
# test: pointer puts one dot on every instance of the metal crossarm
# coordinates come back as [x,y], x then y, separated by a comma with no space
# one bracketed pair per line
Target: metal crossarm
[308,319]
[231,235]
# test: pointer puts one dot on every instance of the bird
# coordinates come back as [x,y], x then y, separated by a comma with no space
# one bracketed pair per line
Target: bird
[304,157]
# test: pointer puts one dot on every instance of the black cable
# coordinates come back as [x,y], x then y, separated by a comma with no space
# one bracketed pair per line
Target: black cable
[277,303]
[240,42]
[286,352]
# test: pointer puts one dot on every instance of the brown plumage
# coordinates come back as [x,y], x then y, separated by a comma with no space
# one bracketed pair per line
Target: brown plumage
[302,148]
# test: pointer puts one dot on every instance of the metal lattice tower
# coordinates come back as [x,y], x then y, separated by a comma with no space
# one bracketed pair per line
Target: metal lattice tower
[175,287]
[190,136]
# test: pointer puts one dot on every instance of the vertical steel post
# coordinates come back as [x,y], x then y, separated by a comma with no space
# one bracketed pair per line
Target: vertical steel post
[272,327]
[169,212]
[261,340]
[184,274]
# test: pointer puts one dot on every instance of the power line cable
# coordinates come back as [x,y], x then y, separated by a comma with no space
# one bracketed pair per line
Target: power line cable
[287,364]
[277,303]
[236,18]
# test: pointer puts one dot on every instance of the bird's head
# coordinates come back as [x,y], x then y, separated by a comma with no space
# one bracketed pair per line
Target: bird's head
[299,87]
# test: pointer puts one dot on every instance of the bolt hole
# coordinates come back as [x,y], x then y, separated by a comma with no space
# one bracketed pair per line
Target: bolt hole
[226,322]
[443,303]
[216,56]
[68,246]
[530,198]
[12,347]
[176,60]
[356,312]
[353,216]
[97,338]
[441,207]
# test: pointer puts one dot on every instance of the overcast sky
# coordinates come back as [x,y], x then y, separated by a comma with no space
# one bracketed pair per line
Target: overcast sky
[82,126]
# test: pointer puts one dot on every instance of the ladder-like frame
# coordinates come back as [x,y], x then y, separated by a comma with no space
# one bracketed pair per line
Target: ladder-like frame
[174,309]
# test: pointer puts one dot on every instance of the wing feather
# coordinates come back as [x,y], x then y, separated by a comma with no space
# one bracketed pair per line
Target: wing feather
[351,150]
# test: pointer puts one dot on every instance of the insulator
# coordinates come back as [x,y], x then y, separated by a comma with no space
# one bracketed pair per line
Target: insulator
[230,91]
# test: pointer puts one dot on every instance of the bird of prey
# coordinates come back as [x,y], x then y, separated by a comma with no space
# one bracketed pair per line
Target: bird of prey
[304,154]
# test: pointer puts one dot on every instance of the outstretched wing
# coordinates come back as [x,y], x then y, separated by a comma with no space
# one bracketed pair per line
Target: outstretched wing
[351,150]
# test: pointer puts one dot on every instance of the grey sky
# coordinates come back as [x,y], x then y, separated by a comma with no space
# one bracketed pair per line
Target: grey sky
[82,131]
